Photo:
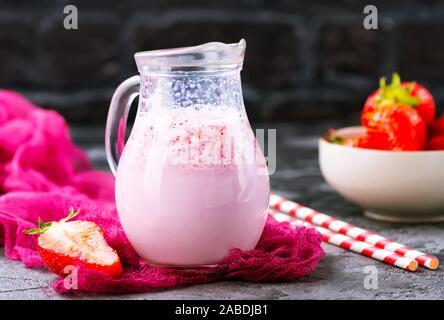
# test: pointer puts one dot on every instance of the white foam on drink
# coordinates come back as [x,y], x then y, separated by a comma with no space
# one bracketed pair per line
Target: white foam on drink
[205,137]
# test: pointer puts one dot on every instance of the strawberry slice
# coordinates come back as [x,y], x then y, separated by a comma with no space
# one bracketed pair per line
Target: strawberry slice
[65,243]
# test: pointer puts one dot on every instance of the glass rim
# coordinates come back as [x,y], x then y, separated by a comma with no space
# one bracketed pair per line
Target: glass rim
[211,56]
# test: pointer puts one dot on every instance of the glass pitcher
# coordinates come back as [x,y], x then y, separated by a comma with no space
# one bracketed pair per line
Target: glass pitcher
[191,181]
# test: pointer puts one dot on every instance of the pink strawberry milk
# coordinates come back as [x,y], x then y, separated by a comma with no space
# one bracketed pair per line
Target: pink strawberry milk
[191,180]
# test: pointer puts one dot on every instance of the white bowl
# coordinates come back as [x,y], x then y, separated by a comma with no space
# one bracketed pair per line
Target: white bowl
[389,185]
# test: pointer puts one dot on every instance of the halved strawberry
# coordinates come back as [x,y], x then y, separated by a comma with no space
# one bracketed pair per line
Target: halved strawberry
[61,244]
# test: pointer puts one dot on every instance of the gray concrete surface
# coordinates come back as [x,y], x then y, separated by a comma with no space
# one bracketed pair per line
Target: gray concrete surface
[340,275]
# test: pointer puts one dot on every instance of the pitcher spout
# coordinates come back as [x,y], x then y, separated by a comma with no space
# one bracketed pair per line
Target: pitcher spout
[207,57]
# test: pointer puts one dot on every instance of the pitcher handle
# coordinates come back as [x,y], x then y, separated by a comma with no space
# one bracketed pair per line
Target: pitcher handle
[116,120]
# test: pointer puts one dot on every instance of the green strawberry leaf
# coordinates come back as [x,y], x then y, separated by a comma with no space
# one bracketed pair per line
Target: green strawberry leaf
[44,226]
[33,231]
[337,140]
[396,93]
[331,137]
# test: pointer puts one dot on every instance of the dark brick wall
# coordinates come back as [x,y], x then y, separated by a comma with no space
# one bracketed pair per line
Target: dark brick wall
[305,59]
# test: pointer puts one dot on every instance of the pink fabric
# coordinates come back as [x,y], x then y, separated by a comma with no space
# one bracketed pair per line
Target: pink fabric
[42,174]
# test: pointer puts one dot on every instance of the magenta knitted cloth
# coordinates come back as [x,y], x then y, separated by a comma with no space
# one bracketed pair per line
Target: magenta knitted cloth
[43,174]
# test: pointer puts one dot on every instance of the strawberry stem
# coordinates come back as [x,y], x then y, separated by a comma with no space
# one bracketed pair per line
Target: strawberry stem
[71,214]
[43,227]
[396,92]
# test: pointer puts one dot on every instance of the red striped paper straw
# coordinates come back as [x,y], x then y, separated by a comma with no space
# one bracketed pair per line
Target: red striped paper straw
[351,244]
[339,226]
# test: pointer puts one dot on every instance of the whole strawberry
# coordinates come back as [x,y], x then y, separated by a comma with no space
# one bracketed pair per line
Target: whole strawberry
[436,128]
[408,93]
[64,243]
[396,127]
[396,116]
[436,143]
